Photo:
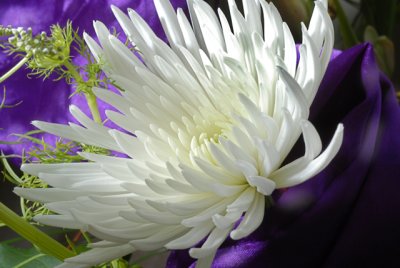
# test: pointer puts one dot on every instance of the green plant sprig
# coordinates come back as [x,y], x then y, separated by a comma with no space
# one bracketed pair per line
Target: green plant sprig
[45,55]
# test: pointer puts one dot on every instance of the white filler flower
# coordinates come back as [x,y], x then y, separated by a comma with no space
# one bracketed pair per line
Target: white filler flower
[208,120]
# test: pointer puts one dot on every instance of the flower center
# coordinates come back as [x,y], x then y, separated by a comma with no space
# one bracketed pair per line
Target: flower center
[211,133]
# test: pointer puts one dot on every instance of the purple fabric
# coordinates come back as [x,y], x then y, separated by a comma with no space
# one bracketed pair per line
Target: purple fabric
[348,215]
[48,100]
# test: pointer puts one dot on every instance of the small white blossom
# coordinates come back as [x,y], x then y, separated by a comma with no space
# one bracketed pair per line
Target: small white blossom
[208,120]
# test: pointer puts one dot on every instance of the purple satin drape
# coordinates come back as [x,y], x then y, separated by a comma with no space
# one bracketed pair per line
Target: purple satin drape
[349,214]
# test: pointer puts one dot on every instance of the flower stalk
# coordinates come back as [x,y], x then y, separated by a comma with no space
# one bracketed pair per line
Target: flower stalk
[90,97]
[44,242]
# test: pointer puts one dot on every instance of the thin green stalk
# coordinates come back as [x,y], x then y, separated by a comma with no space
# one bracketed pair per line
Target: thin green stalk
[90,97]
[38,238]
[87,238]
[15,68]
[11,176]
[22,206]
[21,264]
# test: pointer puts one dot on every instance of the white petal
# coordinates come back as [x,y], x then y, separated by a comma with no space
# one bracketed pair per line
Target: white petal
[192,237]
[48,195]
[159,238]
[251,220]
[214,240]
[62,221]
[314,166]
[290,51]
[264,186]
[169,21]
[99,255]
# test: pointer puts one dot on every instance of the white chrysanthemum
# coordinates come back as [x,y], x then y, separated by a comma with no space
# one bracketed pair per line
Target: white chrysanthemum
[214,116]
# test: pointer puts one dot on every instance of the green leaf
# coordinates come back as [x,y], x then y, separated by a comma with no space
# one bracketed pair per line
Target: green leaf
[383,48]
[346,30]
[381,15]
[26,258]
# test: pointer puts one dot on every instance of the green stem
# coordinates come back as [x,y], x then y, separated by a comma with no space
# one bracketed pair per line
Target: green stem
[44,242]
[90,97]
[15,68]
[93,106]
[348,35]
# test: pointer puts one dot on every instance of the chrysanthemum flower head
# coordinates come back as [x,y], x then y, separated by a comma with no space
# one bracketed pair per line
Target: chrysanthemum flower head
[209,120]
